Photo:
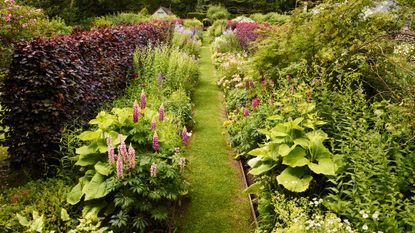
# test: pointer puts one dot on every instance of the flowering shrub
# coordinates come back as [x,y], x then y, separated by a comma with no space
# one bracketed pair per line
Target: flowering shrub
[54,81]
[131,174]
[247,33]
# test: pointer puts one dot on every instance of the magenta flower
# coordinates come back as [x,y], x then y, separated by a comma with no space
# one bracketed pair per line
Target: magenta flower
[161,113]
[131,157]
[264,82]
[255,102]
[153,170]
[120,167]
[143,100]
[246,111]
[185,137]
[155,142]
[153,124]
[111,155]
[136,112]
[122,150]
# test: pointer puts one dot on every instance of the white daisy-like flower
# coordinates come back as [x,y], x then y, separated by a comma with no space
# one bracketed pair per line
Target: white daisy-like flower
[375,215]
[365,227]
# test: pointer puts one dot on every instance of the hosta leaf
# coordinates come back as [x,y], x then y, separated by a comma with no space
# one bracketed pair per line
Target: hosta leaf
[123,114]
[296,158]
[84,150]
[264,167]
[261,151]
[279,130]
[103,168]
[303,142]
[317,149]
[284,150]
[102,145]
[253,189]
[75,195]
[254,161]
[98,187]
[325,166]
[103,120]
[264,131]
[90,135]
[22,220]
[294,179]
[64,215]
[88,159]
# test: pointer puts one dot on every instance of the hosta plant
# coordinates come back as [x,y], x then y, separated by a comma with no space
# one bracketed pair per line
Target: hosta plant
[132,174]
[294,151]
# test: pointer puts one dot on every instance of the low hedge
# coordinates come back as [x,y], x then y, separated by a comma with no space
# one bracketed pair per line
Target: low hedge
[55,81]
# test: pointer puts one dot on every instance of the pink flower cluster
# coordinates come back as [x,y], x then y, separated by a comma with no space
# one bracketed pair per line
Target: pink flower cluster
[125,156]
[247,33]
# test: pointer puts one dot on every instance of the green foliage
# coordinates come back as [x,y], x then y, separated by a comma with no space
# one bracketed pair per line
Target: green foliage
[294,146]
[37,205]
[118,19]
[136,194]
[193,23]
[272,18]
[228,42]
[217,28]
[216,12]
[187,42]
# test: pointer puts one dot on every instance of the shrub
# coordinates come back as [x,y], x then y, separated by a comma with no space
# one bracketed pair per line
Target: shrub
[247,33]
[217,28]
[216,12]
[52,82]
[118,19]
[272,18]
[228,42]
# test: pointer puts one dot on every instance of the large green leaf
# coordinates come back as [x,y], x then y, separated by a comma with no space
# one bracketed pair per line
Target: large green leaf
[284,149]
[253,189]
[296,158]
[261,151]
[98,187]
[88,159]
[75,195]
[103,168]
[317,148]
[294,179]
[254,162]
[90,135]
[103,120]
[279,130]
[264,167]
[303,142]
[90,149]
[325,166]
[123,114]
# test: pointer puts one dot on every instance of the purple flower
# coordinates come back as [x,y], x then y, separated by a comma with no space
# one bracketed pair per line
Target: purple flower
[255,102]
[120,167]
[264,82]
[131,157]
[153,170]
[111,155]
[247,84]
[153,124]
[246,111]
[136,112]
[122,150]
[160,79]
[143,100]
[155,142]
[161,113]
[185,137]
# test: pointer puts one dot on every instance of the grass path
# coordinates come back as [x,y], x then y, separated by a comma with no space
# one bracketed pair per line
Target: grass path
[217,204]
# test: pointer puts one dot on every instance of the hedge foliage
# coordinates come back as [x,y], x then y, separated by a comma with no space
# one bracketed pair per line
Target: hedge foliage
[55,81]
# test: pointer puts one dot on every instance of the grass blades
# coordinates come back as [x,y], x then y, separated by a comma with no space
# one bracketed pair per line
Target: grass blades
[217,203]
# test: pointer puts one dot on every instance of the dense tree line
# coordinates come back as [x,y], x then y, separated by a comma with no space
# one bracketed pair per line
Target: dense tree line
[74,11]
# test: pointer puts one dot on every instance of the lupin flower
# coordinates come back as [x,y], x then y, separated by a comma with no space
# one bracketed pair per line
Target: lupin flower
[185,137]
[136,112]
[143,100]
[161,113]
[246,111]
[153,170]
[122,150]
[111,155]
[160,79]
[155,142]
[153,124]
[255,102]
[120,167]
[131,157]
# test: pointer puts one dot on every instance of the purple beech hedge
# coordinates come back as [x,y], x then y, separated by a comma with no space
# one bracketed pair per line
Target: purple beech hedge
[52,82]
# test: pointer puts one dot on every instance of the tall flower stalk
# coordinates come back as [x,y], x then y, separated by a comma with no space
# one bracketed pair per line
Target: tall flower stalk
[153,170]
[111,155]
[153,124]
[136,111]
[155,142]
[131,157]
[185,136]
[120,167]
[161,113]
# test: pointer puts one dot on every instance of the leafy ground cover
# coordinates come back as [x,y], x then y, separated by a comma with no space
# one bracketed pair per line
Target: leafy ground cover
[217,203]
